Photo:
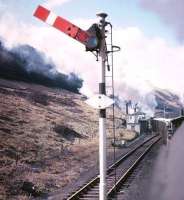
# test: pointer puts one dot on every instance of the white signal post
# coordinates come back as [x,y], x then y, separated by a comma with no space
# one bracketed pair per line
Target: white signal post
[100,101]
[102,114]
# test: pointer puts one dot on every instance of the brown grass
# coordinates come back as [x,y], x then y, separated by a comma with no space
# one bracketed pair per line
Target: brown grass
[47,138]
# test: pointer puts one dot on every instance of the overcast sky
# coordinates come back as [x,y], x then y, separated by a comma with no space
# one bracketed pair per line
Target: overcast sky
[150,34]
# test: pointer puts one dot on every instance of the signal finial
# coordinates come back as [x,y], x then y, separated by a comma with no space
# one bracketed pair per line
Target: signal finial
[102,15]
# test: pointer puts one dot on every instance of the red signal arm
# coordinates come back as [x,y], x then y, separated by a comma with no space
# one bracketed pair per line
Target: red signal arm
[62,24]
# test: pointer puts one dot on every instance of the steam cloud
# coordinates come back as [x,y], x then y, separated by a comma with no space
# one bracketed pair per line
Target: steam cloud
[25,63]
[168,179]
[145,100]
[171,12]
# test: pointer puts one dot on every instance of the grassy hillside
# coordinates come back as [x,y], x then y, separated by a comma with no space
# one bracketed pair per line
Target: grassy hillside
[167,101]
[48,138]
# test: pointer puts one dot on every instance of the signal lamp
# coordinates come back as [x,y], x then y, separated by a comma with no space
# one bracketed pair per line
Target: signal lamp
[94,41]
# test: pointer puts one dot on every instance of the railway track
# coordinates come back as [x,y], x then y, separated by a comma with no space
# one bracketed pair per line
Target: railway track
[123,168]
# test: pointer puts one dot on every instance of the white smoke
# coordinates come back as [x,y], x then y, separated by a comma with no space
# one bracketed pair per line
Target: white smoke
[144,98]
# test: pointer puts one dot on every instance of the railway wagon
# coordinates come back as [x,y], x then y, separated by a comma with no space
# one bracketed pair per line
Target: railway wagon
[160,126]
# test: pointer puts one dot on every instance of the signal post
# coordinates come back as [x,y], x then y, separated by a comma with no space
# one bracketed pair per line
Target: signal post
[102,113]
[94,40]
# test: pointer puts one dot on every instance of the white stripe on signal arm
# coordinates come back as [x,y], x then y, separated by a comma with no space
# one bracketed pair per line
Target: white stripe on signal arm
[51,18]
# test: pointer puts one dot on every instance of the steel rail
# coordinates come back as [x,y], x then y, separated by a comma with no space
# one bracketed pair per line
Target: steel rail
[129,171]
[82,191]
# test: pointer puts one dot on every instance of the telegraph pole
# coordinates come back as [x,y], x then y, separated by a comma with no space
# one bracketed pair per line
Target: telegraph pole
[102,112]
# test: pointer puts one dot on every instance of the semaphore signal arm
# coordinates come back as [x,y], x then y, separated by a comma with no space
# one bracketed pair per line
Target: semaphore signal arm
[90,38]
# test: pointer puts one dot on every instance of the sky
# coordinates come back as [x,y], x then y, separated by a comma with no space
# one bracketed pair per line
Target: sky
[150,34]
